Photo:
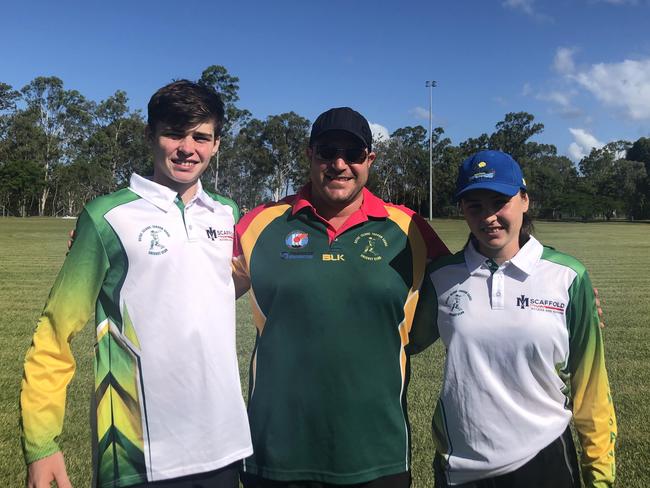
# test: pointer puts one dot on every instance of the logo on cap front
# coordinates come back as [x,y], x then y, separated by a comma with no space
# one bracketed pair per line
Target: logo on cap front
[480,172]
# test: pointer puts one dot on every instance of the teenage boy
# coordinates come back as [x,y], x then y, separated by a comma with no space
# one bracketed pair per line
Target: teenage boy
[153,262]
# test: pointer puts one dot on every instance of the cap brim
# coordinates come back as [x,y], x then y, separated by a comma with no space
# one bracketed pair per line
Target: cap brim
[504,189]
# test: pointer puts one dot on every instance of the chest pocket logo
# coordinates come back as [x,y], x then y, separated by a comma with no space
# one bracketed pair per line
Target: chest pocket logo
[373,244]
[155,236]
[297,239]
[456,300]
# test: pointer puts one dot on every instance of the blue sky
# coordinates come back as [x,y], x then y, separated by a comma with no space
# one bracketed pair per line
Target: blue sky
[582,67]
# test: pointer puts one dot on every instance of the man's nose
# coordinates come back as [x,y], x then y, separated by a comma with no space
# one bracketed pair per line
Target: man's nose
[339,163]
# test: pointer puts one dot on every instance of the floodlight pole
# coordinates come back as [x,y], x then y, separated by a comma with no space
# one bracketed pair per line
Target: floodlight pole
[430,84]
[216,175]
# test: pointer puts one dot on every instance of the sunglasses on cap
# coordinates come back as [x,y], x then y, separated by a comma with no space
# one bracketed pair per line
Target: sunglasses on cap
[352,155]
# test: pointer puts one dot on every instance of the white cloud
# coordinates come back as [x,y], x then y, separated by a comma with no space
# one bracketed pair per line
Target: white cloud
[585,139]
[620,2]
[420,113]
[575,152]
[562,103]
[563,62]
[562,99]
[527,7]
[379,132]
[524,5]
[583,143]
[625,85]
[527,89]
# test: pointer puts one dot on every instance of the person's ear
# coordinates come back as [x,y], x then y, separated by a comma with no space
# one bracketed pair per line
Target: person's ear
[525,201]
[371,158]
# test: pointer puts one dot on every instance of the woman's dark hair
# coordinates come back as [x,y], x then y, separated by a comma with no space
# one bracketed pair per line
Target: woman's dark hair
[527,226]
[184,104]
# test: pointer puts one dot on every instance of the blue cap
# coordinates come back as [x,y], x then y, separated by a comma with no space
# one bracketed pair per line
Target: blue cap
[490,170]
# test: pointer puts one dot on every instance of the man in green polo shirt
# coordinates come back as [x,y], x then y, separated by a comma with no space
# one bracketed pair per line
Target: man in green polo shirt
[334,274]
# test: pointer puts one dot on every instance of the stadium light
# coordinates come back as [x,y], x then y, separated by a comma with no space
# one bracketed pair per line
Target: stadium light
[430,84]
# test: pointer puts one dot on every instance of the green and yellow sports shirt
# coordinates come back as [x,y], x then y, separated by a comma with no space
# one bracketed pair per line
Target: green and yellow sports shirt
[333,311]
[157,275]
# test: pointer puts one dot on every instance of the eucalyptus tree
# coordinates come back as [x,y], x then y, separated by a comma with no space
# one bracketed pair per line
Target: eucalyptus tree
[20,187]
[117,146]
[227,85]
[551,179]
[63,117]
[513,133]
[640,151]
[20,149]
[247,166]
[400,173]
[599,170]
[8,99]
[285,137]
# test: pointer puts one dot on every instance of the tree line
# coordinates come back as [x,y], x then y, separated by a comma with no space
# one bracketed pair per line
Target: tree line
[59,150]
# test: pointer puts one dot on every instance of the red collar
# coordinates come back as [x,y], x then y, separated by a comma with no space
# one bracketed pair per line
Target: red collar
[371,206]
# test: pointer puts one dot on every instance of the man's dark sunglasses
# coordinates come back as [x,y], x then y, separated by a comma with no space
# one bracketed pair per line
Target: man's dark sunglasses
[350,154]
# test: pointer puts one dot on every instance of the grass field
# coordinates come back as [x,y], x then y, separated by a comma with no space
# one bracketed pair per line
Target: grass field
[616,254]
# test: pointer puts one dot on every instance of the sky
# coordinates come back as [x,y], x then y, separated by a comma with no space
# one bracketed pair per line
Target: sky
[581,67]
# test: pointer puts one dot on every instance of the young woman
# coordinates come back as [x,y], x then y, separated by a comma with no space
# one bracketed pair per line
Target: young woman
[524,348]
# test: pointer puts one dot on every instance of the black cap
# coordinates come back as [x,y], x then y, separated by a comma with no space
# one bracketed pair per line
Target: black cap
[345,119]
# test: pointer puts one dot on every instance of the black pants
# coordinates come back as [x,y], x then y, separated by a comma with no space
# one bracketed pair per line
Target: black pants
[226,477]
[400,480]
[555,466]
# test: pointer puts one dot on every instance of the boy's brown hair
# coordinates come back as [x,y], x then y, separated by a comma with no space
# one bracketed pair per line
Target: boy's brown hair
[184,104]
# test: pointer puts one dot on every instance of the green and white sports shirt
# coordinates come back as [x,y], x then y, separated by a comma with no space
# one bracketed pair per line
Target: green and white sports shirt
[157,275]
[524,356]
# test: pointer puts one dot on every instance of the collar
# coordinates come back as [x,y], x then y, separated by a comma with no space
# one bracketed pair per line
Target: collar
[164,197]
[525,260]
[371,206]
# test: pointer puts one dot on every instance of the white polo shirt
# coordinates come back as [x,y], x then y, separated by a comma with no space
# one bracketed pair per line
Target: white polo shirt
[523,349]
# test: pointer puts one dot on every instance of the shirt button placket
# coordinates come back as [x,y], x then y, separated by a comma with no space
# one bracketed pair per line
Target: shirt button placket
[498,290]
[189,225]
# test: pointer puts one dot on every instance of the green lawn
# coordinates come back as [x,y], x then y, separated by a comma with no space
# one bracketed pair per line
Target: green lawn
[616,254]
